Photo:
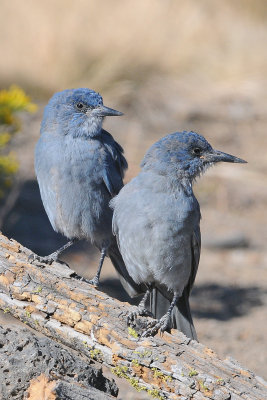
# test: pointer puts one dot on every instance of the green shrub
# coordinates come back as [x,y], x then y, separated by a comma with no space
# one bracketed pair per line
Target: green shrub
[12,101]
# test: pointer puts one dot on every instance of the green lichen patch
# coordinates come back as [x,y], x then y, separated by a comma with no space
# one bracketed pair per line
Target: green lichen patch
[203,386]
[38,290]
[192,372]
[157,374]
[96,354]
[143,354]
[155,394]
[124,372]
[132,332]
[135,363]
[28,314]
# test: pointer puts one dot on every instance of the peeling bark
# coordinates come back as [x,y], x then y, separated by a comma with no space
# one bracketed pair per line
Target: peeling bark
[53,301]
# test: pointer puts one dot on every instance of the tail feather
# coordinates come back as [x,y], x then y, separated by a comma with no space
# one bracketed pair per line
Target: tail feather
[181,314]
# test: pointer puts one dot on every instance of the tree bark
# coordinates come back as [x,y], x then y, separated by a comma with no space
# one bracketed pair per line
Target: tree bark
[52,300]
[37,368]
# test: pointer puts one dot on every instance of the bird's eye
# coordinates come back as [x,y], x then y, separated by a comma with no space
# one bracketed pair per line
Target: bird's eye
[80,106]
[197,151]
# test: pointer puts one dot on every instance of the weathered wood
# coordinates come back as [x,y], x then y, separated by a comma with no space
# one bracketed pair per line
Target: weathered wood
[31,365]
[51,300]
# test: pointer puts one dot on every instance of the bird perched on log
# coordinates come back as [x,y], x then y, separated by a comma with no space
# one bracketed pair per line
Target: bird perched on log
[156,221]
[79,168]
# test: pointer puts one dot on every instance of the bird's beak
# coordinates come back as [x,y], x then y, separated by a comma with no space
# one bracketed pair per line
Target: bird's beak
[217,156]
[103,111]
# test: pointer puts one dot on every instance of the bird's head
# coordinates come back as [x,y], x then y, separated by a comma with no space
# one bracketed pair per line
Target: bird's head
[186,154]
[79,112]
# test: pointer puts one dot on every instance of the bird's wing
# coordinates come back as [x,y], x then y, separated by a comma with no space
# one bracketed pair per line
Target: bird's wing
[115,164]
[196,247]
[181,314]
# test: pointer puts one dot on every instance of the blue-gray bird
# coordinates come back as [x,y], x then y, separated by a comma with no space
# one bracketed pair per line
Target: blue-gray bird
[79,168]
[156,221]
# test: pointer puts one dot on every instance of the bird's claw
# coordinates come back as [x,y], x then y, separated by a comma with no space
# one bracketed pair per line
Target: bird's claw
[131,317]
[153,326]
[48,260]
[94,281]
[141,311]
[32,257]
[45,260]
[151,329]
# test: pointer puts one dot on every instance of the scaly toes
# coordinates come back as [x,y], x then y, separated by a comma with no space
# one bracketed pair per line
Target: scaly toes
[139,311]
[151,330]
[32,257]
[45,260]
[131,317]
[142,311]
[164,325]
[153,327]
[94,282]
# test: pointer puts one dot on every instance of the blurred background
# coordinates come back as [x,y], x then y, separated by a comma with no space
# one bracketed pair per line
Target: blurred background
[169,66]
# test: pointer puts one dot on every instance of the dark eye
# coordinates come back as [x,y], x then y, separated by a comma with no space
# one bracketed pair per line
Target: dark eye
[197,151]
[80,106]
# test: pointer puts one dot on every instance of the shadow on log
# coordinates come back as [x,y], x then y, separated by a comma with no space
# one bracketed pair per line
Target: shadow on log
[53,301]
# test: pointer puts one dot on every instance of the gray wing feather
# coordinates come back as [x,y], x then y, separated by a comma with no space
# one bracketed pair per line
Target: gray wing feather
[115,164]
[159,301]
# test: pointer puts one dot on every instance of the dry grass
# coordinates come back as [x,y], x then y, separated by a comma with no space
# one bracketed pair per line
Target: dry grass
[65,43]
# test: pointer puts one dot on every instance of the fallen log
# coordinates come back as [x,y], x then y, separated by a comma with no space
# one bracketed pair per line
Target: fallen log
[52,300]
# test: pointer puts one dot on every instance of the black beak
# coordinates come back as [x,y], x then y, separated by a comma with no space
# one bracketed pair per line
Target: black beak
[217,156]
[103,111]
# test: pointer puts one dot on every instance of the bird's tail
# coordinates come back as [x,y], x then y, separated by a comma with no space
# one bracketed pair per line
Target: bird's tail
[132,288]
[181,314]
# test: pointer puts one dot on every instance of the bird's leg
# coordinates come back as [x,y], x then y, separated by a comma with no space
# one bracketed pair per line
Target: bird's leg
[163,323]
[53,256]
[95,280]
[141,309]
[142,305]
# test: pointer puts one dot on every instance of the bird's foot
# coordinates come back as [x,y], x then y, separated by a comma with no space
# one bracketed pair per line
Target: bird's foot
[138,312]
[45,260]
[153,327]
[94,281]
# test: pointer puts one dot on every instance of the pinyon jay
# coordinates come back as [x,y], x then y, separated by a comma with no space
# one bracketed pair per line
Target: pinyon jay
[79,168]
[156,221]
